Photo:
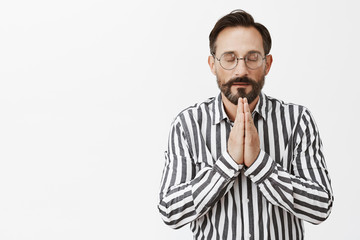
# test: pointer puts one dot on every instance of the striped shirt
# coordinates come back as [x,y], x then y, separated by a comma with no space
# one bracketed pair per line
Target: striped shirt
[288,182]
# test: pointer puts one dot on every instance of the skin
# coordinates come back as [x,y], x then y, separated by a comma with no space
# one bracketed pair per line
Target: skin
[243,142]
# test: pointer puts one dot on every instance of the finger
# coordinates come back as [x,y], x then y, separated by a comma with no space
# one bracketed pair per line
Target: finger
[248,118]
[246,105]
[249,125]
[248,122]
[239,111]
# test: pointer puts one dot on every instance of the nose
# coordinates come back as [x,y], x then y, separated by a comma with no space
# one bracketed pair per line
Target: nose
[241,69]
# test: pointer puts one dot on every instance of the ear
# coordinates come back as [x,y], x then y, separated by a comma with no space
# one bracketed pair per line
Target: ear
[211,62]
[269,61]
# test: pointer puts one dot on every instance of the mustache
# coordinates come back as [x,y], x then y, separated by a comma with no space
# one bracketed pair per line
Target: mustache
[239,80]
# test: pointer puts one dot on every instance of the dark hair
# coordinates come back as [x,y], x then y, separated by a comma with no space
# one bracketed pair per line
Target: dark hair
[239,18]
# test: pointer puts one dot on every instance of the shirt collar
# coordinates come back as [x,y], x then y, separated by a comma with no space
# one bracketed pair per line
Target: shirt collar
[219,113]
[218,110]
[262,106]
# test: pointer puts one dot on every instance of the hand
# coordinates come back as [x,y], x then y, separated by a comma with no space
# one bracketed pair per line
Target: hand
[252,141]
[237,135]
[243,143]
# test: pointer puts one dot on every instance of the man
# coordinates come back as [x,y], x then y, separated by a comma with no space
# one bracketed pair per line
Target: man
[244,165]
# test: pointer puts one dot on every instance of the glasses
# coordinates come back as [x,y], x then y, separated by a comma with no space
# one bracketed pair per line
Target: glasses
[229,61]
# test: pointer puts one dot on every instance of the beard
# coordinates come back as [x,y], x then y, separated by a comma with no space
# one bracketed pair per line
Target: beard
[241,92]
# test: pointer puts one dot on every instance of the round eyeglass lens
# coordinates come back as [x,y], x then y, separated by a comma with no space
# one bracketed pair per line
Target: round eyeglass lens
[253,60]
[228,61]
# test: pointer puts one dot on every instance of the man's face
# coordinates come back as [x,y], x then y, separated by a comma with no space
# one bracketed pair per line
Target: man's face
[240,81]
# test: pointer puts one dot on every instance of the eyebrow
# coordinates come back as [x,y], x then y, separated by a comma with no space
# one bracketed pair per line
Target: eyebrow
[249,52]
[253,51]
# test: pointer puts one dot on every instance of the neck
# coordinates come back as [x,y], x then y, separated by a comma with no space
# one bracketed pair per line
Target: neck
[231,108]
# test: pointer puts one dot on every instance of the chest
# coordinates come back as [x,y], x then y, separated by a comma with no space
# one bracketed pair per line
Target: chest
[276,139]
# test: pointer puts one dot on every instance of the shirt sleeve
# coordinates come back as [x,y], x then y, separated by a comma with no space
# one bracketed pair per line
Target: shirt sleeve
[305,190]
[189,188]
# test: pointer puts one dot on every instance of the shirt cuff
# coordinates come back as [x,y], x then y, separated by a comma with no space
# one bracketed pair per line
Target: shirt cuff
[261,168]
[227,167]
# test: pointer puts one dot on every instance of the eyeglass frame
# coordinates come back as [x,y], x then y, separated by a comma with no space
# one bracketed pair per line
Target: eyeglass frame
[240,58]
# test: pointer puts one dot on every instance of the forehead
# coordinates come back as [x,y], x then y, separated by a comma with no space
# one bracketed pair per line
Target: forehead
[240,40]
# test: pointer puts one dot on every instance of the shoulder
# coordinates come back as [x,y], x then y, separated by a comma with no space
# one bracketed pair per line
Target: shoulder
[275,104]
[194,112]
[287,111]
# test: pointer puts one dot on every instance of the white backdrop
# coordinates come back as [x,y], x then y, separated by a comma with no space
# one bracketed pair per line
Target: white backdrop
[88,90]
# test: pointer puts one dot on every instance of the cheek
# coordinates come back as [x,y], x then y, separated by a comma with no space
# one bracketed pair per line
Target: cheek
[224,74]
[263,69]
[259,73]
[266,69]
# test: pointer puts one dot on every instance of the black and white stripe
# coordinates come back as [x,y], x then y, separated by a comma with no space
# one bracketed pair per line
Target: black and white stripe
[203,186]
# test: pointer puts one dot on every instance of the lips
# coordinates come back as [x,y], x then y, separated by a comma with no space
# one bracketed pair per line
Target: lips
[240,84]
